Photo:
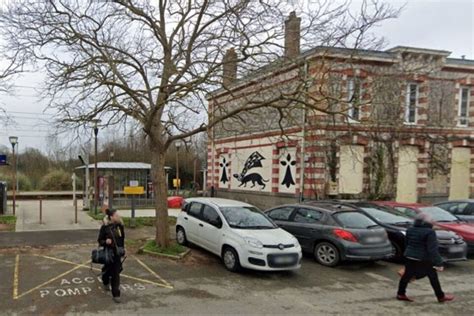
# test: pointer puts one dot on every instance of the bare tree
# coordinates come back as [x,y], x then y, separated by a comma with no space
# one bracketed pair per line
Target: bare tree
[154,63]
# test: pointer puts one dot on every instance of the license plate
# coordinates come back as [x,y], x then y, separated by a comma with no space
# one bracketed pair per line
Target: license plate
[373,240]
[284,260]
[456,249]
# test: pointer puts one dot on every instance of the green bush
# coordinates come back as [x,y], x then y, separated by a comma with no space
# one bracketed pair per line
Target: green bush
[24,182]
[57,180]
[9,220]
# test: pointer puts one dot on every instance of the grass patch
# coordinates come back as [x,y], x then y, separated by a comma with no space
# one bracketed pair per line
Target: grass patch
[99,216]
[173,250]
[9,220]
[139,221]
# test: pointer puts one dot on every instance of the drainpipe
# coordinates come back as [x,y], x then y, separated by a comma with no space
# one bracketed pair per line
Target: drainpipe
[303,138]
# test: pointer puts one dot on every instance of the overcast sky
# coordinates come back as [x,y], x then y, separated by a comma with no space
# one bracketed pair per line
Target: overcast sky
[437,24]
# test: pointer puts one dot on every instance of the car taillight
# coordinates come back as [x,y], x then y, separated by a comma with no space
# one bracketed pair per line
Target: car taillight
[344,234]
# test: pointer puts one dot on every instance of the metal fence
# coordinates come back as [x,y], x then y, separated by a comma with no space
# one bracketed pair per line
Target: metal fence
[139,203]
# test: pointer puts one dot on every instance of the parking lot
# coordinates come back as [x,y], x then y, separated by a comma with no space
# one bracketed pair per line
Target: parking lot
[59,280]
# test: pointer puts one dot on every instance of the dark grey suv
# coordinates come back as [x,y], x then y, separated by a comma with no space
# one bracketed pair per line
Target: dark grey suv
[333,233]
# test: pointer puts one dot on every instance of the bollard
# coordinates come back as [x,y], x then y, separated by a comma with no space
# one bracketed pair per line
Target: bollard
[41,211]
[75,211]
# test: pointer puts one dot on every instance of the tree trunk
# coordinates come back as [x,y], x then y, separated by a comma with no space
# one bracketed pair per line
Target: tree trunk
[158,175]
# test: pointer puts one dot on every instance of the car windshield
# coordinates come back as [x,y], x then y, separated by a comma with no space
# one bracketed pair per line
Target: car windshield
[385,217]
[244,217]
[438,214]
[354,220]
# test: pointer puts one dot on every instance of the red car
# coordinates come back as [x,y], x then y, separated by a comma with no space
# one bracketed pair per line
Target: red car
[442,219]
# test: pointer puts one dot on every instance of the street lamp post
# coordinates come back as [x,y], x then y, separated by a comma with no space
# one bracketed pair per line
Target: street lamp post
[96,182]
[14,141]
[178,145]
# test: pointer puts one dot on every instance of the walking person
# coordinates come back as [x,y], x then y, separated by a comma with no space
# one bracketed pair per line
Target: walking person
[112,236]
[422,259]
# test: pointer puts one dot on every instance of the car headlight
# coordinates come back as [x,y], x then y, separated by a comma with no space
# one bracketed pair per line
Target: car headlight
[403,232]
[253,242]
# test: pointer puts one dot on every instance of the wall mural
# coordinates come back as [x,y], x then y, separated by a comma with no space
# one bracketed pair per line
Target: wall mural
[255,169]
[224,164]
[253,161]
[224,169]
[287,172]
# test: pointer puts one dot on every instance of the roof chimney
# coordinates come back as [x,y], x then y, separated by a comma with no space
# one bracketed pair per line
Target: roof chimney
[229,67]
[292,35]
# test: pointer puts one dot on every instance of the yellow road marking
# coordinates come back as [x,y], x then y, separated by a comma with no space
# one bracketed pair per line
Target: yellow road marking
[52,280]
[15,277]
[152,272]
[165,284]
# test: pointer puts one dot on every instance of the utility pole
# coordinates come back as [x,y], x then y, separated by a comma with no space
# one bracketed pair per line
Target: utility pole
[178,145]
[85,162]
[194,174]
[96,182]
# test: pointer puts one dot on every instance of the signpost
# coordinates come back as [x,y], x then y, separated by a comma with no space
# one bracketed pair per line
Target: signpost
[133,189]
[3,160]
[74,198]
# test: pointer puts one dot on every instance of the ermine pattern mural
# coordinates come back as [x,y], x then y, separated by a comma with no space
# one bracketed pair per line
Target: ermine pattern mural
[224,165]
[255,170]
[287,172]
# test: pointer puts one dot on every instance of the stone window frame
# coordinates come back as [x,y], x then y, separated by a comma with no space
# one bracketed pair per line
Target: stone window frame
[351,85]
[408,105]
[465,117]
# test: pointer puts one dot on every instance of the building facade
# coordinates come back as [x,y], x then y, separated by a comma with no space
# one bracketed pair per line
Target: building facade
[346,123]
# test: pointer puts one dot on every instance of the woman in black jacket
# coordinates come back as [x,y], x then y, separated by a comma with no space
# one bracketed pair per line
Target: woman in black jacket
[422,259]
[112,236]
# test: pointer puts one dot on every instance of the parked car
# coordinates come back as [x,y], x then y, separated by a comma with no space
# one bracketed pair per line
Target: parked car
[333,234]
[442,219]
[239,233]
[451,246]
[464,209]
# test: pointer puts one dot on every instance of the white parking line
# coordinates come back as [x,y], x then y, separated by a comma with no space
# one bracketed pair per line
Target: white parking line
[379,277]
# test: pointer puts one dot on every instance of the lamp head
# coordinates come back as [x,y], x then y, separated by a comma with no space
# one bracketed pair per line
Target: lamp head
[13,140]
[178,144]
[96,122]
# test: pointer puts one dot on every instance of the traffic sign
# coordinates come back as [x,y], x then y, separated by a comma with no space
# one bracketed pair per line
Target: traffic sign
[3,160]
[134,190]
[176,182]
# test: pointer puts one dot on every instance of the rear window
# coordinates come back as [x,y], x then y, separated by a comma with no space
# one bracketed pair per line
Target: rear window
[354,220]
[385,217]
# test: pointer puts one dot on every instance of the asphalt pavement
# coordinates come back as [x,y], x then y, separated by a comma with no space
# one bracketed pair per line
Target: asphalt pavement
[60,281]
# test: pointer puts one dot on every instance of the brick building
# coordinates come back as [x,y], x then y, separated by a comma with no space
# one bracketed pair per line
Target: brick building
[359,124]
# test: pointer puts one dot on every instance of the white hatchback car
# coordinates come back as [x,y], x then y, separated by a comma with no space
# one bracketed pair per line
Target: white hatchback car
[239,233]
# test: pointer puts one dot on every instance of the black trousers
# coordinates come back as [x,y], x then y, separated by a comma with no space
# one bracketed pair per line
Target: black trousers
[111,275]
[420,269]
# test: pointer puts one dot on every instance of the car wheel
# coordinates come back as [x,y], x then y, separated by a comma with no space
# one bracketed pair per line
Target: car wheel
[231,259]
[181,236]
[327,254]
